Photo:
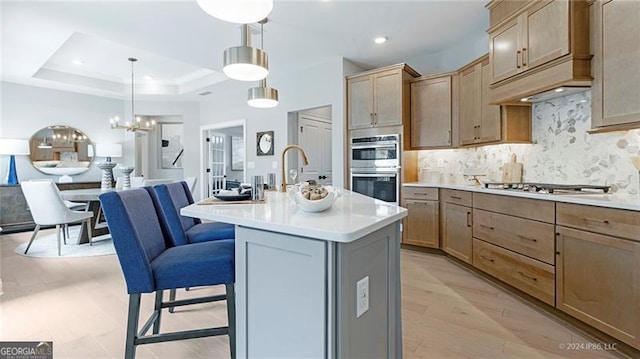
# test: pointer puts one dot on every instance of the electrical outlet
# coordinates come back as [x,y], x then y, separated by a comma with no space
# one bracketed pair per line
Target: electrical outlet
[274,165]
[362,296]
[440,162]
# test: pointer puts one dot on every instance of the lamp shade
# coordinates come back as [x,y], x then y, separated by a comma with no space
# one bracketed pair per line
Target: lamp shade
[263,96]
[245,63]
[108,150]
[237,11]
[12,146]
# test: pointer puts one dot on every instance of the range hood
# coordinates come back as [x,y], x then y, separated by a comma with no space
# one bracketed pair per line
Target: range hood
[555,93]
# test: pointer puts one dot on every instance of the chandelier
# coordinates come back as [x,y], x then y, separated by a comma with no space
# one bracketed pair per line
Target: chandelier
[136,124]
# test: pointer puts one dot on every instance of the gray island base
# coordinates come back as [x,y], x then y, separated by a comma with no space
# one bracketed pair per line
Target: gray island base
[315,285]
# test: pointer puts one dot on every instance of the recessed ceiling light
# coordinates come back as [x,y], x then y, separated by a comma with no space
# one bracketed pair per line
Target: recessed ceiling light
[147,77]
[380,40]
[583,101]
[78,62]
[559,89]
[524,99]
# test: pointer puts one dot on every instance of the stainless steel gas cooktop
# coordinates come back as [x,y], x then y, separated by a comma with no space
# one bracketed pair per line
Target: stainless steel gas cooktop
[547,187]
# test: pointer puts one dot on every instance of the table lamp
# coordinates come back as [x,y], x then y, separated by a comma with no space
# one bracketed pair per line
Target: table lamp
[13,147]
[107,150]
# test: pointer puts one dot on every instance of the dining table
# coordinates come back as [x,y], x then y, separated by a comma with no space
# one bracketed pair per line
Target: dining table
[90,195]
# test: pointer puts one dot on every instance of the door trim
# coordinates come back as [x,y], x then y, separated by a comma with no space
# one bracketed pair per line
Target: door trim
[216,126]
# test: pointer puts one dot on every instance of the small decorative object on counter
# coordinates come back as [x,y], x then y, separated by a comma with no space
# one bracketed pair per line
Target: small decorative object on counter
[313,197]
[512,171]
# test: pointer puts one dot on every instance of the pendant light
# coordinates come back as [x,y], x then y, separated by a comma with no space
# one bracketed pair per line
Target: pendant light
[237,11]
[245,63]
[263,96]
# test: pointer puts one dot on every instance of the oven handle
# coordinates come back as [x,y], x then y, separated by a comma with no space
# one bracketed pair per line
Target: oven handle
[360,147]
[377,174]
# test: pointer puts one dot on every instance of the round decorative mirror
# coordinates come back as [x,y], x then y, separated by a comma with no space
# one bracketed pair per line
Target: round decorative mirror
[61,150]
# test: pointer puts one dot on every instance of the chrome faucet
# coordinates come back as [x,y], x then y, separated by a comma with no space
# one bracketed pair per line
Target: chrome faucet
[305,161]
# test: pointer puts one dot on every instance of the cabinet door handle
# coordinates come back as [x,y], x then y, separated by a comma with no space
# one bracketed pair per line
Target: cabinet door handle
[371,118]
[528,276]
[448,136]
[518,59]
[604,221]
[468,219]
[527,238]
[487,258]
[524,56]
[375,118]
[487,227]
[421,194]
[456,197]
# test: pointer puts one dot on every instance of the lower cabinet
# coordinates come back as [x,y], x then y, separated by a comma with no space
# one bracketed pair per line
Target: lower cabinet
[456,231]
[598,282]
[421,227]
[529,275]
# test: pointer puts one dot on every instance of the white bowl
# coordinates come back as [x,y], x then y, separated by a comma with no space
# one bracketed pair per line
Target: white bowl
[318,205]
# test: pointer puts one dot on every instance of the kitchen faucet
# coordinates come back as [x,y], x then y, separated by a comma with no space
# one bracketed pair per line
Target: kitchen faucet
[305,162]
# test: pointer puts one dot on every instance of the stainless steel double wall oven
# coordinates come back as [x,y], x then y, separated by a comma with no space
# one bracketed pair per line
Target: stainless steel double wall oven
[375,166]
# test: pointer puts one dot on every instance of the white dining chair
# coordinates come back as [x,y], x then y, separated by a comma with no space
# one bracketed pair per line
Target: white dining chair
[153,182]
[48,208]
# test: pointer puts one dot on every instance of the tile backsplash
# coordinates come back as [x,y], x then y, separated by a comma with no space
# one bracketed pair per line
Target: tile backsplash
[563,152]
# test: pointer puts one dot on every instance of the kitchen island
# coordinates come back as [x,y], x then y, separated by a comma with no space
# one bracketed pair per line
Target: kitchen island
[315,285]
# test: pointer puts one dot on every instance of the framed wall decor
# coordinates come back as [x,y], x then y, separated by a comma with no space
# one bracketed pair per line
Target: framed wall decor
[237,153]
[172,147]
[264,143]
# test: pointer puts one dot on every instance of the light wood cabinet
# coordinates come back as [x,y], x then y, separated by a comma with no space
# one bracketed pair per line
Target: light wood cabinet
[421,226]
[480,121]
[456,223]
[530,238]
[530,276]
[615,26]
[380,97]
[433,111]
[539,46]
[598,282]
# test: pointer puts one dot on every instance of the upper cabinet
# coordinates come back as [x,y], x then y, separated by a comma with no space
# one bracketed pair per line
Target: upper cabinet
[615,26]
[480,122]
[379,97]
[537,45]
[433,110]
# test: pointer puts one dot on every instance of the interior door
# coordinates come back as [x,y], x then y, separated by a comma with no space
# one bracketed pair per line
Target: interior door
[216,163]
[315,137]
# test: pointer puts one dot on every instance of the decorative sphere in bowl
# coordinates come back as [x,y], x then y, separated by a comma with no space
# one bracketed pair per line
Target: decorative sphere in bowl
[317,205]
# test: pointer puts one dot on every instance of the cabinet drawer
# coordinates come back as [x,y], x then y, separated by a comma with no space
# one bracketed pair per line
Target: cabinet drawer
[615,222]
[425,193]
[530,238]
[462,198]
[529,275]
[543,211]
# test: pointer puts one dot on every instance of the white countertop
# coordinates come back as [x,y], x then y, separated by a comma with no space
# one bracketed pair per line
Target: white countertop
[630,202]
[352,216]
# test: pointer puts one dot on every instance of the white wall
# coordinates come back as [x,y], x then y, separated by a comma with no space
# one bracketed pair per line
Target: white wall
[319,85]
[27,109]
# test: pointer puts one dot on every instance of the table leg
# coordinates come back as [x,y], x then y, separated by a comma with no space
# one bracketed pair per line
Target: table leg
[98,228]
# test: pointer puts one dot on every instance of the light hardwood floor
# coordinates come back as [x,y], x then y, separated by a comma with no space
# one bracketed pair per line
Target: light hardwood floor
[80,304]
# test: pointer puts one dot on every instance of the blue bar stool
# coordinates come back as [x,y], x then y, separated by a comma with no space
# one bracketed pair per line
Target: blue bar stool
[151,264]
